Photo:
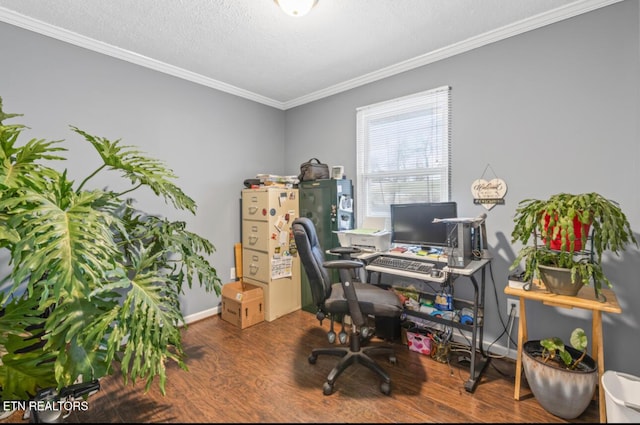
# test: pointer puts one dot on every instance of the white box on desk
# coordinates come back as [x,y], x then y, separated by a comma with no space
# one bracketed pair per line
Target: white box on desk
[378,241]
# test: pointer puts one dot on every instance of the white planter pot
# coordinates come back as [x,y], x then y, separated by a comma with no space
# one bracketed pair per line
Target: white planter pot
[562,392]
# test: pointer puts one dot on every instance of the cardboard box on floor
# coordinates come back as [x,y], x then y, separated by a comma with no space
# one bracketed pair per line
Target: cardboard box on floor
[242,304]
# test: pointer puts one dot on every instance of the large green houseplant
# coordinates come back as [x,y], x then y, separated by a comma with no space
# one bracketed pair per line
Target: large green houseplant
[90,281]
[570,231]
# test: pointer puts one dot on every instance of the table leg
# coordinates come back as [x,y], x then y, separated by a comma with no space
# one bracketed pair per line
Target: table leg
[598,356]
[522,336]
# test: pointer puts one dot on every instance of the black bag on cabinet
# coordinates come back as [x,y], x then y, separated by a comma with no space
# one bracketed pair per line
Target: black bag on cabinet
[311,170]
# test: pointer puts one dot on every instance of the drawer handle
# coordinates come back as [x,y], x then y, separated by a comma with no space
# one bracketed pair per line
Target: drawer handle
[253,269]
[253,210]
[253,240]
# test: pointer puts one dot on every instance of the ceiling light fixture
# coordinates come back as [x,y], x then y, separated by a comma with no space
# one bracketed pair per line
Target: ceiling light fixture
[296,8]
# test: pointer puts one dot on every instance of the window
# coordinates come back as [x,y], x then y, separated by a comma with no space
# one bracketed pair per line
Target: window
[404,153]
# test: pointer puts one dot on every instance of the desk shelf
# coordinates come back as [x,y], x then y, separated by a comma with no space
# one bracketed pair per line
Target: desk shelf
[478,361]
[448,322]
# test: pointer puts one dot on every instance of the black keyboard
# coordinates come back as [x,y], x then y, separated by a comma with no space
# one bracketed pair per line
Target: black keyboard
[402,264]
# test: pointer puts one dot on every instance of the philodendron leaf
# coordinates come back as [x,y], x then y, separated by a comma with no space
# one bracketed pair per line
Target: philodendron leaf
[140,169]
[566,357]
[579,339]
[4,116]
[77,330]
[554,343]
[8,234]
[25,369]
[18,316]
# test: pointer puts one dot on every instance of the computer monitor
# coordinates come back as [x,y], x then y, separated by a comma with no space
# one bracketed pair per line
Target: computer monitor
[412,224]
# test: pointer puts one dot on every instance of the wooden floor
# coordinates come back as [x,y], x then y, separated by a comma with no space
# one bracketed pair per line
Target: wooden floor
[261,374]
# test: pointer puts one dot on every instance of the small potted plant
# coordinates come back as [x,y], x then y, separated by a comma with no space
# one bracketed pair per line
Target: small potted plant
[570,232]
[562,378]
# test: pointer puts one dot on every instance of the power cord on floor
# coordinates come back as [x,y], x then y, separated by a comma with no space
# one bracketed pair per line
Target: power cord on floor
[507,330]
[495,294]
[466,348]
[512,317]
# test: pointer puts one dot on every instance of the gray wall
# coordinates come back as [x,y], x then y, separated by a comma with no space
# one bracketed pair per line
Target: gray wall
[552,110]
[573,85]
[211,140]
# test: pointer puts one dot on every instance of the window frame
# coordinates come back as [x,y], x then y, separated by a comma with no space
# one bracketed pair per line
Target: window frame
[435,106]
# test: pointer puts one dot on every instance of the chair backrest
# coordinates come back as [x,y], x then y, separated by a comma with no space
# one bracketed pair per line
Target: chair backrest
[312,257]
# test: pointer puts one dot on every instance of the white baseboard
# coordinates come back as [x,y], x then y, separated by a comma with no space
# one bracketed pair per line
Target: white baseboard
[496,349]
[202,315]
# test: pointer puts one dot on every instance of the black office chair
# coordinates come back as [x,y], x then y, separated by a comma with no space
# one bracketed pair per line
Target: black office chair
[348,297]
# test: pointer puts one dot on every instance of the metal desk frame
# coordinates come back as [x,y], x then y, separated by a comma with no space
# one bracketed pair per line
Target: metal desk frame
[478,361]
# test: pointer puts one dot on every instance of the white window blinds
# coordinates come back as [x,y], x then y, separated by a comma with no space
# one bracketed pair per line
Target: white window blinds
[403,148]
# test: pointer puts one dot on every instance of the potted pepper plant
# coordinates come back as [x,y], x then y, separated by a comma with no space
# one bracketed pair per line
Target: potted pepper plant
[569,234]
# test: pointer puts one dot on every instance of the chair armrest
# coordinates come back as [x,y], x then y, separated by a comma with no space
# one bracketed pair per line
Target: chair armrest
[342,264]
[345,251]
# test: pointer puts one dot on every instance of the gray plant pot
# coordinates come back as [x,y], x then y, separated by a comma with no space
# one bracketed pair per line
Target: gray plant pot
[558,280]
[561,392]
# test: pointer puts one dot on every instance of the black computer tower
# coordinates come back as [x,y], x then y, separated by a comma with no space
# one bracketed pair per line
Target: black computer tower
[330,206]
[459,250]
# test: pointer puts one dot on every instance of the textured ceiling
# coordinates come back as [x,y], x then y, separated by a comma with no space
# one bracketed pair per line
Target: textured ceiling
[252,49]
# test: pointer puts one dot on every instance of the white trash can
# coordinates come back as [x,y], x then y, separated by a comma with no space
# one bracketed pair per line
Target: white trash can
[622,396]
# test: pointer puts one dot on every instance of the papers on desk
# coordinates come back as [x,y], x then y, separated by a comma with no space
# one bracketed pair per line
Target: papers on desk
[475,220]
[363,231]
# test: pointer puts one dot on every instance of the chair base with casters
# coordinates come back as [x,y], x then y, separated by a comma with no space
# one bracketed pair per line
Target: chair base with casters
[332,335]
[355,353]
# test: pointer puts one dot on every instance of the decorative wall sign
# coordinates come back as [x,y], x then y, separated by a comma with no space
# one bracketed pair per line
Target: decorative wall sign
[488,193]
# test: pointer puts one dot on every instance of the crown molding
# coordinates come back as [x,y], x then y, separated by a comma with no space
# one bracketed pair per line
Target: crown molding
[70,37]
[565,12]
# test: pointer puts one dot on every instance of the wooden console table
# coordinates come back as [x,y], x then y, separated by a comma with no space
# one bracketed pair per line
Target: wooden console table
[586,300]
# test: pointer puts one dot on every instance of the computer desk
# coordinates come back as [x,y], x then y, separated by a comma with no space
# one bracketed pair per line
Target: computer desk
[586,300]
[477,361]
